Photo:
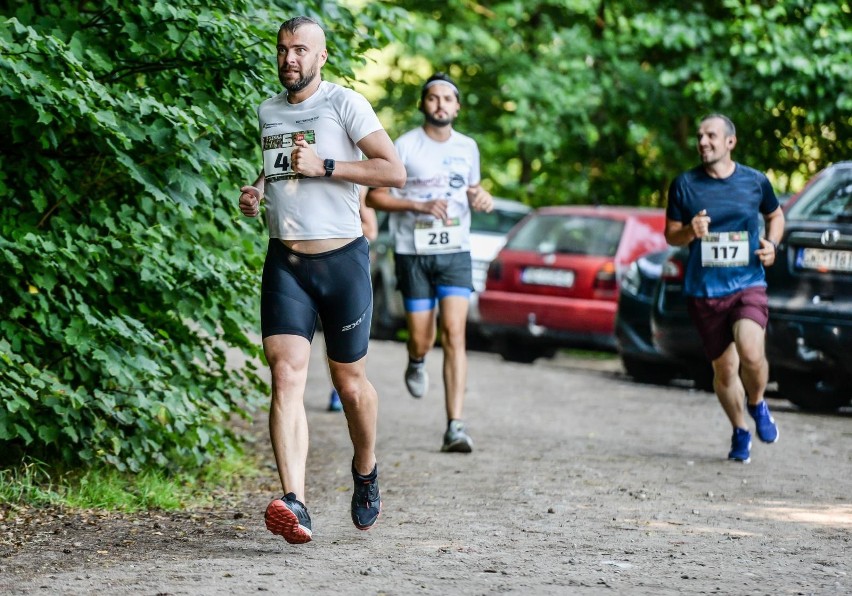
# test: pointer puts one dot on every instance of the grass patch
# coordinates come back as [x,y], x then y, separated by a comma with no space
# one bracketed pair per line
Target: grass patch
[37,484]
[590,354]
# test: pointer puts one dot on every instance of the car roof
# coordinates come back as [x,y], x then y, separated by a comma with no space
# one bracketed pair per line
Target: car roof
[610,211]
[510,205]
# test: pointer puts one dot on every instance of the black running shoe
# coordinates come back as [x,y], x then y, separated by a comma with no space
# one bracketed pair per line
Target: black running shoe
[366,499]
[289,518]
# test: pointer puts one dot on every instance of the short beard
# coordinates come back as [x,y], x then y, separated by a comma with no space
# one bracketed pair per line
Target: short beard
[439,122]
[300,84]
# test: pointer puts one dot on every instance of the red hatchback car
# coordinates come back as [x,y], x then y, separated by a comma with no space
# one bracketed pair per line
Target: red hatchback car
[555,284]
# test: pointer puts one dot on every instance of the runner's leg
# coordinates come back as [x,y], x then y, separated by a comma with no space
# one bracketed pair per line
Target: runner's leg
[750,342]
[728,386]
[453,320]
[360,405]
[288,357]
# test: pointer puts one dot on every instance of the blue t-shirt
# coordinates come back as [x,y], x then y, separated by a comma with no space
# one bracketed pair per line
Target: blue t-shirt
[734,204]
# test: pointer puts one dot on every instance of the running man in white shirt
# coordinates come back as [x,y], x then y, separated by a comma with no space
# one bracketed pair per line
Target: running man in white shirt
[314,136]
[430,222]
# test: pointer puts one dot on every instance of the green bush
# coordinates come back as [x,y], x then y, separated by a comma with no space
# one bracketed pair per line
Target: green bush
[126,270]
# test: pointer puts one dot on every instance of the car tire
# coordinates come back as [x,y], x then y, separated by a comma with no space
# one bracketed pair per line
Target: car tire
[643,371]
[383,325]
[812,392]
[513,350]
[702,376]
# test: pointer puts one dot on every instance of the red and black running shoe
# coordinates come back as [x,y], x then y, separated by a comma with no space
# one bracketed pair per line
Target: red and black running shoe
[288,517]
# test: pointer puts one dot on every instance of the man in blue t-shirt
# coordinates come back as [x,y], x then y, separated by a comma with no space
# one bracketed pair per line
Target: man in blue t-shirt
[715,208]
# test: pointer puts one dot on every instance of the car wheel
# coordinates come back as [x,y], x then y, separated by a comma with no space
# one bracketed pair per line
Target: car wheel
[643,371]
[518,351]
[812,392]
[383,326]
[702,376]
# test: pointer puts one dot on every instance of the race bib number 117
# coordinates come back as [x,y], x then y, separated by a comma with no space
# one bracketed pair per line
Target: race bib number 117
[725,249]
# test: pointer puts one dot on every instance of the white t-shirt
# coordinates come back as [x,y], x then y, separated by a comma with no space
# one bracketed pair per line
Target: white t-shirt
[435,170]
[333,120]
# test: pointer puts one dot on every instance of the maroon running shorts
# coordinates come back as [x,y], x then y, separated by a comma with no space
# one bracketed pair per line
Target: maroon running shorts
[715,317]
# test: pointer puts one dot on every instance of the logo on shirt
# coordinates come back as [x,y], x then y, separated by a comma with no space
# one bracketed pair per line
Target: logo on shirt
[456,180]
[307,120]
[271,124]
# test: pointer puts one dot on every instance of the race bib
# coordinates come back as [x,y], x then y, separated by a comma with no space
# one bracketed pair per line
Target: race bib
[431,236]
[276,154]
[725,249]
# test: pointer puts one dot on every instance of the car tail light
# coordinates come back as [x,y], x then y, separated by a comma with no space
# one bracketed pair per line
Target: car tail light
[495,270]
[672,271]
[605,280]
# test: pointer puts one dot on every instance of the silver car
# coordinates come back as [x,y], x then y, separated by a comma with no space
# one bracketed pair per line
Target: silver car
[487,236]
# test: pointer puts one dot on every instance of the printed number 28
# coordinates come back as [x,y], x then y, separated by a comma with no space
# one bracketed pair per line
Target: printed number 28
[438,239]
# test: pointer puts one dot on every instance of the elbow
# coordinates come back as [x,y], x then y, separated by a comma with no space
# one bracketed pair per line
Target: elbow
[399,177]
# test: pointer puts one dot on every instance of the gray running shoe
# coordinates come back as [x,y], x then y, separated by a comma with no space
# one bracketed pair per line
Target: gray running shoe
[456,440]
[417,379]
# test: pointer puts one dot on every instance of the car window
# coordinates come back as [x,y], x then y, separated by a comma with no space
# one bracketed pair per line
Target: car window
[569,235]
[828,199]
[497,222]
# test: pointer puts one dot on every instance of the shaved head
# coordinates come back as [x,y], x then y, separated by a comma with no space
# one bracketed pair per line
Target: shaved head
[295,23]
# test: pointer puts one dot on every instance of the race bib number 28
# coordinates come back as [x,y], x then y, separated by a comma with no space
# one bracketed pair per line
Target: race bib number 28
[725,249]
[437,236]
[277,149]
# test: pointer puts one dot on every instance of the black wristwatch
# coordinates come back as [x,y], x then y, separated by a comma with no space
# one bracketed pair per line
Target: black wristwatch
[329,167]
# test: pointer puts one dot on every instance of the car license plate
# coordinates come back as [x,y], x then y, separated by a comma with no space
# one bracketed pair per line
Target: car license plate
[540,276]
[822,259]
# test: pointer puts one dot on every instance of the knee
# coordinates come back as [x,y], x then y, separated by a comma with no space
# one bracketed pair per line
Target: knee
[752,360]
[354,393]
[285,373]
[726,372]
[453,336]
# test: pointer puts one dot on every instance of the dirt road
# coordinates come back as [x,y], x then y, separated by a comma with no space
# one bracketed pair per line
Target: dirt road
[581,482]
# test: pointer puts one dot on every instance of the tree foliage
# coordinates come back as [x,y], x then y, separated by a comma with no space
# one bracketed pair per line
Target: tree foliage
[126,271]
[578,101]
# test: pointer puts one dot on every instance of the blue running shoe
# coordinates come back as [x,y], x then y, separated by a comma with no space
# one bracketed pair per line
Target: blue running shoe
[740,446]
[366,499]
[288,517]
[334,403]
[767,430]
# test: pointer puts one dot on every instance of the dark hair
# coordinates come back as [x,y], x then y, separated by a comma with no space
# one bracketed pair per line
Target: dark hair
[441,78]
[291,25]
[730,129]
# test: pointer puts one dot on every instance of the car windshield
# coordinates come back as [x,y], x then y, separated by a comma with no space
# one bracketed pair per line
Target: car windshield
[496,222]
[828,199]
[577,235]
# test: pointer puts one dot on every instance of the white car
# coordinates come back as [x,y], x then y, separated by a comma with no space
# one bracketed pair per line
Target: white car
[487,236]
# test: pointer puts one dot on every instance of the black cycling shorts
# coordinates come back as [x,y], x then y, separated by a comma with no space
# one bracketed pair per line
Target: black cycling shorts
[333,285]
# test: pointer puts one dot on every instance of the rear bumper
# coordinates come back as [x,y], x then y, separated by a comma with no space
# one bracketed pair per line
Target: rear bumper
[559,322]
[545,337]
[809,343]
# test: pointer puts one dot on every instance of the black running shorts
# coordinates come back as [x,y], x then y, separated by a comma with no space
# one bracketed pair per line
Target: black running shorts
[335,285]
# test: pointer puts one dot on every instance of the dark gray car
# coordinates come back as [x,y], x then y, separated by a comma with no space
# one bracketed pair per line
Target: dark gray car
[809,336]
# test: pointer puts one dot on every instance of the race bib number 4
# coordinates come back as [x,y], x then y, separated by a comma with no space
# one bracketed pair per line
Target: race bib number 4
[725,249]
[437,236]
[276,154]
